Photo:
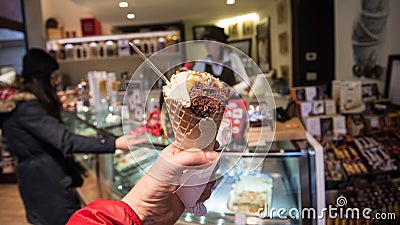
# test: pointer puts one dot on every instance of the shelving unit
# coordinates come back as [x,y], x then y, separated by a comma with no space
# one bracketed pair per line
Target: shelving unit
[111,53]
[115,37]
[105,46]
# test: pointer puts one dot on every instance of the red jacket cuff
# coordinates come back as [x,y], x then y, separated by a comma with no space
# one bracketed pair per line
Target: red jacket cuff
[105,212]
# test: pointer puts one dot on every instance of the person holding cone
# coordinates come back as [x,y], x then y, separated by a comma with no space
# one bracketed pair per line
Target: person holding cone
[153,200]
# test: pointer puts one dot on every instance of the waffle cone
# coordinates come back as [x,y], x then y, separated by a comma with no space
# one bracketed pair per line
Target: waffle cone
[187,129]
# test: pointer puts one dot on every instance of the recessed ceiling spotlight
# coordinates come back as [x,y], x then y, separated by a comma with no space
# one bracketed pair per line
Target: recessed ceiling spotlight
[230,2]
[123,4]
[130,16]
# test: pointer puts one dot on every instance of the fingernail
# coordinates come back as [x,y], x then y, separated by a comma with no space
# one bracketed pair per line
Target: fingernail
[211,155]
[216,145]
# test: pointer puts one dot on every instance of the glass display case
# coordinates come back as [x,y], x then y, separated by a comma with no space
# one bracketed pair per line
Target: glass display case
[292,187]
[290,172]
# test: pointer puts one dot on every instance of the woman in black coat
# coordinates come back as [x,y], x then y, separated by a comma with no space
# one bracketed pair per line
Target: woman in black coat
[34,132]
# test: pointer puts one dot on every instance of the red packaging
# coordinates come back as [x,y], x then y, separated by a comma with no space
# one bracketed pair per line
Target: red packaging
[236,111]
[90,27]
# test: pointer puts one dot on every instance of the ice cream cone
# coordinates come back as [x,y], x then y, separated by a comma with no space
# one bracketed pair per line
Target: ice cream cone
[195,103]
[187,126]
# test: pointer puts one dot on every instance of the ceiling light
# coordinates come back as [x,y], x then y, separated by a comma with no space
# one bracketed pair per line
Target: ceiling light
[123,4]
[230,2]
[130,16]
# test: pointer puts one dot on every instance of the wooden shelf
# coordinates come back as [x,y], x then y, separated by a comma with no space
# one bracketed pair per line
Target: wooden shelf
[133,57]
[115,37]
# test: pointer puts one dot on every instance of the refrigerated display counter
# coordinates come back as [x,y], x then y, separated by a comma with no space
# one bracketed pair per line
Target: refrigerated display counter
[291,172]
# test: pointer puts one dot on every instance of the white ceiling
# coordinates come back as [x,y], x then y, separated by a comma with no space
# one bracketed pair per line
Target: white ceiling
[164,11]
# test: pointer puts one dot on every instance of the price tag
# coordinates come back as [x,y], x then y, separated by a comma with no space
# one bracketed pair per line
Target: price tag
[134,101]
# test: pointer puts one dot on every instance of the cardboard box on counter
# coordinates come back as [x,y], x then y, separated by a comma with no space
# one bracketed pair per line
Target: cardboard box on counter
[311,108]
[330,107]
[373,123]
[348,94]
[320,126]
[290,130]
[54,33]
[303,93]
[339,125]
[259,135]
[318,107]
[309,93]
[313,125]
[355,124]
[305,108]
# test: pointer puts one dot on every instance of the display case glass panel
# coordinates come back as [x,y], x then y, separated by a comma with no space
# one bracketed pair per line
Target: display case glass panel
[284,180]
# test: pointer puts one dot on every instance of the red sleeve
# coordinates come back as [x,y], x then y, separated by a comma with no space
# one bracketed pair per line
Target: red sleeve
[105,212]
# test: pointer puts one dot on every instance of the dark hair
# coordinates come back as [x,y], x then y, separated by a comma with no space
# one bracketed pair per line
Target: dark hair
[37,69]
[41,87]
[214,33]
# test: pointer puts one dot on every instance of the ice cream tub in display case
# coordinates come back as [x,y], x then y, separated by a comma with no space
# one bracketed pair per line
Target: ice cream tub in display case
[250,194]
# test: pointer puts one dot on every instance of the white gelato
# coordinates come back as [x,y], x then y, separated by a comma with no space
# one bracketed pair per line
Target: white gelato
[181,82]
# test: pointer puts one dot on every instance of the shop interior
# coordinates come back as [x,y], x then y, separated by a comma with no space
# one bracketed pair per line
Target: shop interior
[319,119]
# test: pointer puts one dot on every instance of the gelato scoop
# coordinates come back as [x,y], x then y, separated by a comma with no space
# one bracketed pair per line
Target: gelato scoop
[196,90]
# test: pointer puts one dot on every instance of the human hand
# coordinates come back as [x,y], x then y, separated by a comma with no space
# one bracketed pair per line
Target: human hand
[123,142]
[153,198]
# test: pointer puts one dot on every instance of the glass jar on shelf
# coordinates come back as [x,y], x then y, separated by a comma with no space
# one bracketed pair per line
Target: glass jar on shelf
[78,51]
[111,48]
[69,51]
[85,51]
[101,50]
[123,48]
[161,43]
[93,49]
[146,46]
